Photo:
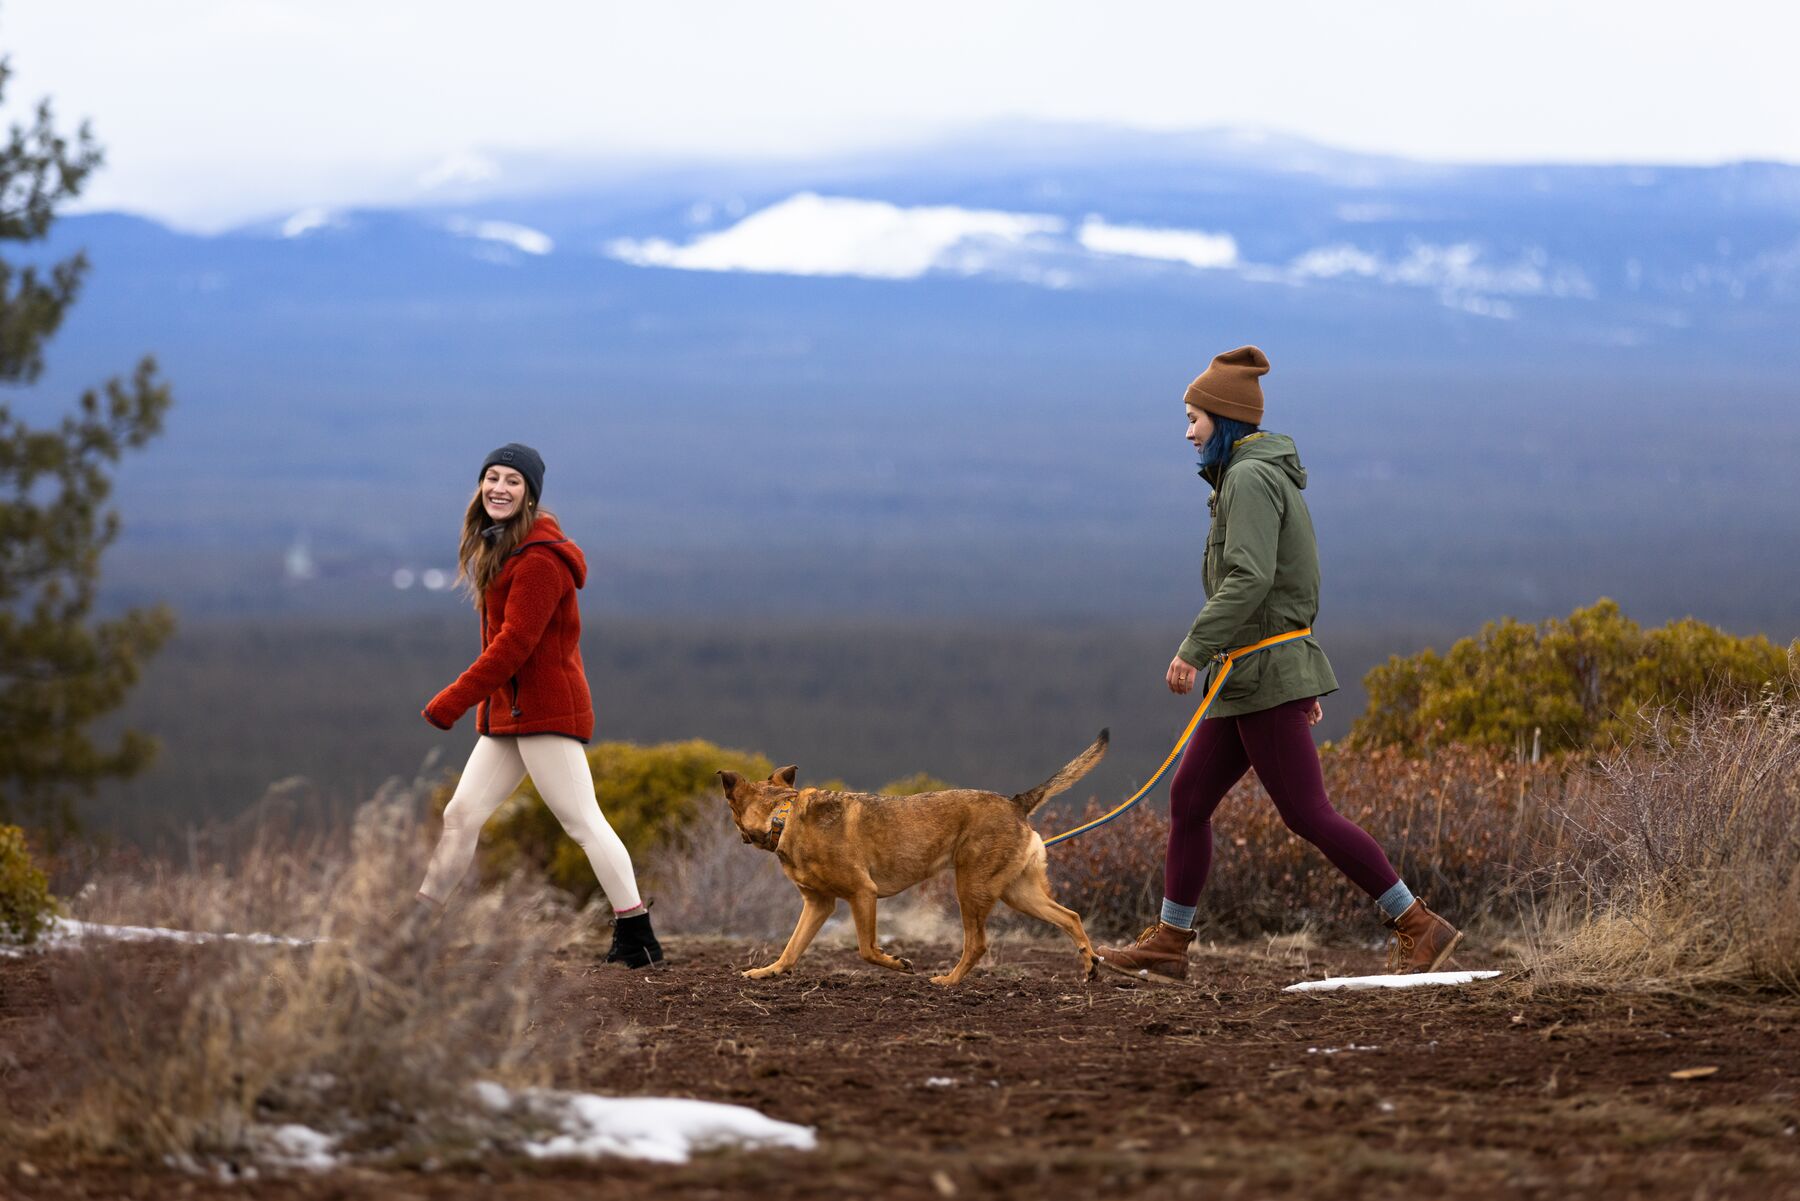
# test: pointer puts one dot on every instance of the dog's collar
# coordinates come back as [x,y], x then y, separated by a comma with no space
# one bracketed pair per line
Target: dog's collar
[778,821]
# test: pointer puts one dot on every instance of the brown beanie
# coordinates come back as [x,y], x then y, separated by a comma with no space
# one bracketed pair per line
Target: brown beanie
[1228,388]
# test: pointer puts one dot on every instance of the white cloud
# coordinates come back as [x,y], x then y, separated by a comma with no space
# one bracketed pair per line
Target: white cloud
[411,78]
[1191,246]
[519,237]
[809,234]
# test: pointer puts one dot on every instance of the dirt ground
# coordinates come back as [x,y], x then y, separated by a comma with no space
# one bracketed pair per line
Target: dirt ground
[1026,1082]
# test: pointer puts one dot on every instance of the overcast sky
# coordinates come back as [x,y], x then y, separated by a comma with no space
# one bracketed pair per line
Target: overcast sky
[218,110]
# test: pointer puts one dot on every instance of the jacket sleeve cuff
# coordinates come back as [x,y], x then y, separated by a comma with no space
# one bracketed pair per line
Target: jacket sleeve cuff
[1193,655]
[426,713]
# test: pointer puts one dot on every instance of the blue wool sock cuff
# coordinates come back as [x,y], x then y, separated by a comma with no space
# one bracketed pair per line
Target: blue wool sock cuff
[1394,901]
[1178,915]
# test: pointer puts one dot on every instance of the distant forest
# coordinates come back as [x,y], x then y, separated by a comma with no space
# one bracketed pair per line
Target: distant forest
[244,706]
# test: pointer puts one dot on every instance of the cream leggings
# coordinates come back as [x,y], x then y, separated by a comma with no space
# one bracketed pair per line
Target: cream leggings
[559,768]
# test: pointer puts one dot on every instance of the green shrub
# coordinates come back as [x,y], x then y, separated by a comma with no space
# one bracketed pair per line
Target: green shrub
[26,905]
[1578,684]
[650,795]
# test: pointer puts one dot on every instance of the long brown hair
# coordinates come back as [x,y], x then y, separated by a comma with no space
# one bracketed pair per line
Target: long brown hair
[479,560]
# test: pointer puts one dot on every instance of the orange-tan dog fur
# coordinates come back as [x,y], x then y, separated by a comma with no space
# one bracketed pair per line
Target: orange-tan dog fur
[861,847]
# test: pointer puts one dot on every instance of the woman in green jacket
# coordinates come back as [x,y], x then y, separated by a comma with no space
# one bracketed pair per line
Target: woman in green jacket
[1261,577]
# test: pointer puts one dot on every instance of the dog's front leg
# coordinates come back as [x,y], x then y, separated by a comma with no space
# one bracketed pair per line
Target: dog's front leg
[817,908]
[862,907]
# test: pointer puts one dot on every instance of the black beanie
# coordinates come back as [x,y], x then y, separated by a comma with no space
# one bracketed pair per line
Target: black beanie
[522,459]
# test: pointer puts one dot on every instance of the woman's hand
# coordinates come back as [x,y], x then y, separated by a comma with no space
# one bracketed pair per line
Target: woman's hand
[1181,676]
[1316,714]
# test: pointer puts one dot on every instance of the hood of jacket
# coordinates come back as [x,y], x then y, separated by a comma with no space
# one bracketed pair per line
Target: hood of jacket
[547,538]
[1278,449]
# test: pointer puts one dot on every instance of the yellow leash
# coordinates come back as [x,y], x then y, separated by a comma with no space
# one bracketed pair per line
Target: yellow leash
[1228,661]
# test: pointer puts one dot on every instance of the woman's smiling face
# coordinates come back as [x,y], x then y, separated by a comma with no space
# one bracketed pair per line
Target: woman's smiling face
[502,492]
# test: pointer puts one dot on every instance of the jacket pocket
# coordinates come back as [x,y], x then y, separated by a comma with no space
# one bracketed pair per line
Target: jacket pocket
[1212,564]
[1246,677]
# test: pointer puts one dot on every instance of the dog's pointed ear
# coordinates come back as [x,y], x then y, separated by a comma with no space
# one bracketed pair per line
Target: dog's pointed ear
[786,775]
[729,780]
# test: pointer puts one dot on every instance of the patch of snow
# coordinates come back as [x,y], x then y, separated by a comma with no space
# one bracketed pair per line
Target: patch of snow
[660,1129]
[1196,248]
[809,234]
[1338,1050]
[939,1082]
[298,562]
[462,167]
[1358,213]
[1458,272]
[1481,306]
[295,1146]
[1413,980]
[519,237]
[305,221]
[1329,262]
[67,932]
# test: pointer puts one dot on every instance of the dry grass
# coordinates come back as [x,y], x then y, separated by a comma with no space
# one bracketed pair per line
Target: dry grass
[1458,826]
[1682,859]
[709,882]
[1672,864]
[374,1031]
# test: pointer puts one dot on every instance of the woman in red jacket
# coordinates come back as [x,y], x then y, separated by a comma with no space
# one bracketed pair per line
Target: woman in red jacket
[532,708]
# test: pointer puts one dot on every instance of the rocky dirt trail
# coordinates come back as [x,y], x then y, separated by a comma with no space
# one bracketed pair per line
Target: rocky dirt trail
[1028,1082]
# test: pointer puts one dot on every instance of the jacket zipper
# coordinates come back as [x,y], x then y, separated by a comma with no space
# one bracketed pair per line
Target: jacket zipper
[484,725]
[515,704]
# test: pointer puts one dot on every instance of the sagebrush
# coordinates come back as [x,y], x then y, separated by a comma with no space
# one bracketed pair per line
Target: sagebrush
[1682,857]
[372,1026]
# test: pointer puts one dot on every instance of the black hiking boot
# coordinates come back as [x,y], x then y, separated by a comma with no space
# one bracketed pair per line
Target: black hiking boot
[634,942]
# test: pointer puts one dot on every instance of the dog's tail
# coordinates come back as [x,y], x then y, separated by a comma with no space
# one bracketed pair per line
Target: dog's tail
[1065,779]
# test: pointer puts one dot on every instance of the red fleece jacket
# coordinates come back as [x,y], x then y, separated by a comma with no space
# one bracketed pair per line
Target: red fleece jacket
[529,678]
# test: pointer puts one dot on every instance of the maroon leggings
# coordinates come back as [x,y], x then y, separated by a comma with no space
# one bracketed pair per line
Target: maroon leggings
[1278,744]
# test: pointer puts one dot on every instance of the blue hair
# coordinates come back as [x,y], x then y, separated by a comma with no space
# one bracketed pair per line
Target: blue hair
[1227,432]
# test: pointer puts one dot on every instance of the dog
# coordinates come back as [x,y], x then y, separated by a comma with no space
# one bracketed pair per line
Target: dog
[862,846]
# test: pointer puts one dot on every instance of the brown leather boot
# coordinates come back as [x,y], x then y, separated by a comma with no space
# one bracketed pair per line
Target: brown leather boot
[1422,940]
[1159,951]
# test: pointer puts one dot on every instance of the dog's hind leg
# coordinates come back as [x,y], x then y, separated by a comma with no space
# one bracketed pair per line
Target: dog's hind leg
[818,907]
[975,901]
[1029,893]
[862,908]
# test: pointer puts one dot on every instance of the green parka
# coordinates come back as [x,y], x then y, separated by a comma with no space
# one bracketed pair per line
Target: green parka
[1261,579]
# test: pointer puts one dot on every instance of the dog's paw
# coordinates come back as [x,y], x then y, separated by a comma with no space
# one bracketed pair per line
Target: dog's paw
[903,965]
[762,973]
[945,981]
